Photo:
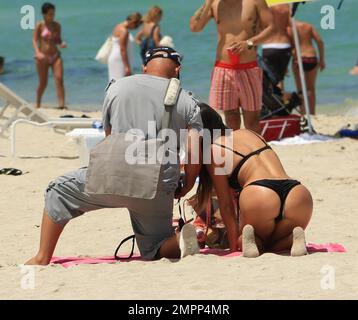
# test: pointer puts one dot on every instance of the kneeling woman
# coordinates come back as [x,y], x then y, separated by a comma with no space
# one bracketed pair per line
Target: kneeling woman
[274,210]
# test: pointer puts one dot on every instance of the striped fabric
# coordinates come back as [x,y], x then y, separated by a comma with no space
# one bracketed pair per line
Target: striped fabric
[231,89]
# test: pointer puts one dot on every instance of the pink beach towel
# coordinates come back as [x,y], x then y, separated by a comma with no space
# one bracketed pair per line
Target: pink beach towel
[73,261]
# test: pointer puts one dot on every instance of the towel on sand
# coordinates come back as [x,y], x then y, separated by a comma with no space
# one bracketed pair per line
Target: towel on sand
[73,261]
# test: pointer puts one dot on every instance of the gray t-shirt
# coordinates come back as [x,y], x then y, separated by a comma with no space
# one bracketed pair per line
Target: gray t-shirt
[133,102]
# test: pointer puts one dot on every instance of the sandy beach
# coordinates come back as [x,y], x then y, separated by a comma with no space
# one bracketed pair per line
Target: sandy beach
[329,170]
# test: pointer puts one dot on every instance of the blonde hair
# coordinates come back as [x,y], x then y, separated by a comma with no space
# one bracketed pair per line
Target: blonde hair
[135,17]
[153,14]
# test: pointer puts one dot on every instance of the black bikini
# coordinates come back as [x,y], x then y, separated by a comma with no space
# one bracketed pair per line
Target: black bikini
[281,187]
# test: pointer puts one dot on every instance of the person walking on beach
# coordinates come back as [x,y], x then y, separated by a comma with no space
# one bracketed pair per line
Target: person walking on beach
[120,58]
[236,79]
[149,37]
[46,42]
[133,103]
[311,63]
[276,51]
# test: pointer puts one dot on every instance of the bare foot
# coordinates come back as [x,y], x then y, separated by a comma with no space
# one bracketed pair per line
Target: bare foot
[249,247]
[35,261]
[298,243]
[188,242]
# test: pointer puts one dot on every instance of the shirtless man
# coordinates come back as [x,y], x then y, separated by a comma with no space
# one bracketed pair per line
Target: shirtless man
[277,49]
[236,79]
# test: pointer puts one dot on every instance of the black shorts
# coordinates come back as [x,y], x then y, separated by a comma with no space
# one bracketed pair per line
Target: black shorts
[277,60]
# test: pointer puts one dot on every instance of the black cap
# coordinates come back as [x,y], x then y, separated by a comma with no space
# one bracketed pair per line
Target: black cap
[163,52]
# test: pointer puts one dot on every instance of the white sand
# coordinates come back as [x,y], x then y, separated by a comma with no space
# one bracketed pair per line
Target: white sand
[330,170]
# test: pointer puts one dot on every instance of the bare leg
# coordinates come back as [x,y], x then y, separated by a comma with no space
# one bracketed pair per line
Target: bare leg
[170,248]
[296,241]
[57,69]
[298,212]
[184,243]
[252,120]
[50,232]
[233,119]
[259,207]
[311,77]
[42,70]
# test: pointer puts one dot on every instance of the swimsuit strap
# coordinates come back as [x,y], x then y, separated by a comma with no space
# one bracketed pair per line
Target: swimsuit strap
[235,173]
[225,147]
[257,135]
[152,31]
[233,178]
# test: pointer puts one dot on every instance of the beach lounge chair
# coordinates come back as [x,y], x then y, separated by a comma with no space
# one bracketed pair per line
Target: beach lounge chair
[17,110]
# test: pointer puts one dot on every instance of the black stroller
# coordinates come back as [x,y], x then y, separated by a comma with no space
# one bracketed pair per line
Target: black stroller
[273,104]
[272,99]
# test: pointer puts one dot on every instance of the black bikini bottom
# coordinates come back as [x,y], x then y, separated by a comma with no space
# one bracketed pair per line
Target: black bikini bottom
[281,187]
[309,63]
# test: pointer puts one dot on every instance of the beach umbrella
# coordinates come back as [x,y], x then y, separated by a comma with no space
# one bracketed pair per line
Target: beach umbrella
[294,5]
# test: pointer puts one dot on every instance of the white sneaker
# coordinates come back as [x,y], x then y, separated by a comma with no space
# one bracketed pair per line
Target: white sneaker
[188,242]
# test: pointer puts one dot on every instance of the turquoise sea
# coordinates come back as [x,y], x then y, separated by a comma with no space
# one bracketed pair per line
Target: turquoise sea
[86,24]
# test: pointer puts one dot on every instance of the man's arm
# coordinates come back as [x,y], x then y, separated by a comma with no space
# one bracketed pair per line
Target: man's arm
[201,16]
[265,16]
[266,20]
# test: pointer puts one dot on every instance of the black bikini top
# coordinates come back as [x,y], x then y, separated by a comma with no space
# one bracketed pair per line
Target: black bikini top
[234,176]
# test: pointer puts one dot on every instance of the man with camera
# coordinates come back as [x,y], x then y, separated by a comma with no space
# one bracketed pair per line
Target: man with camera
[242,25]
[132,103]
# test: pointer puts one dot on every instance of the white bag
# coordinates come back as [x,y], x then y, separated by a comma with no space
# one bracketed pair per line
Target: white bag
[104,52]
[167,41]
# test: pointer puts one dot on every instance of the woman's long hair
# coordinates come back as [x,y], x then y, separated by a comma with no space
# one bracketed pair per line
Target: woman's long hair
[153,15]
[214,125]
[135,18]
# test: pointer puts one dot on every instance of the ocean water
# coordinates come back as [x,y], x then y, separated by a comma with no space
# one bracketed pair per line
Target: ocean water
[87,23]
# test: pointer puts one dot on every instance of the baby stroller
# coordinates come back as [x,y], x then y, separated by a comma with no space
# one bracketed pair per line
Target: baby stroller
[277,118]
[273,99]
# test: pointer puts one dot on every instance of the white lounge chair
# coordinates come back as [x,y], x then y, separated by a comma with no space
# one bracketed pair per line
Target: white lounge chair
[16,110]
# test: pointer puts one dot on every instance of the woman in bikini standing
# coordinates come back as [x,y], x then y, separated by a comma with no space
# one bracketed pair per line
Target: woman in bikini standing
[46,41]
[149,36]
[311,63]
[274,209]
